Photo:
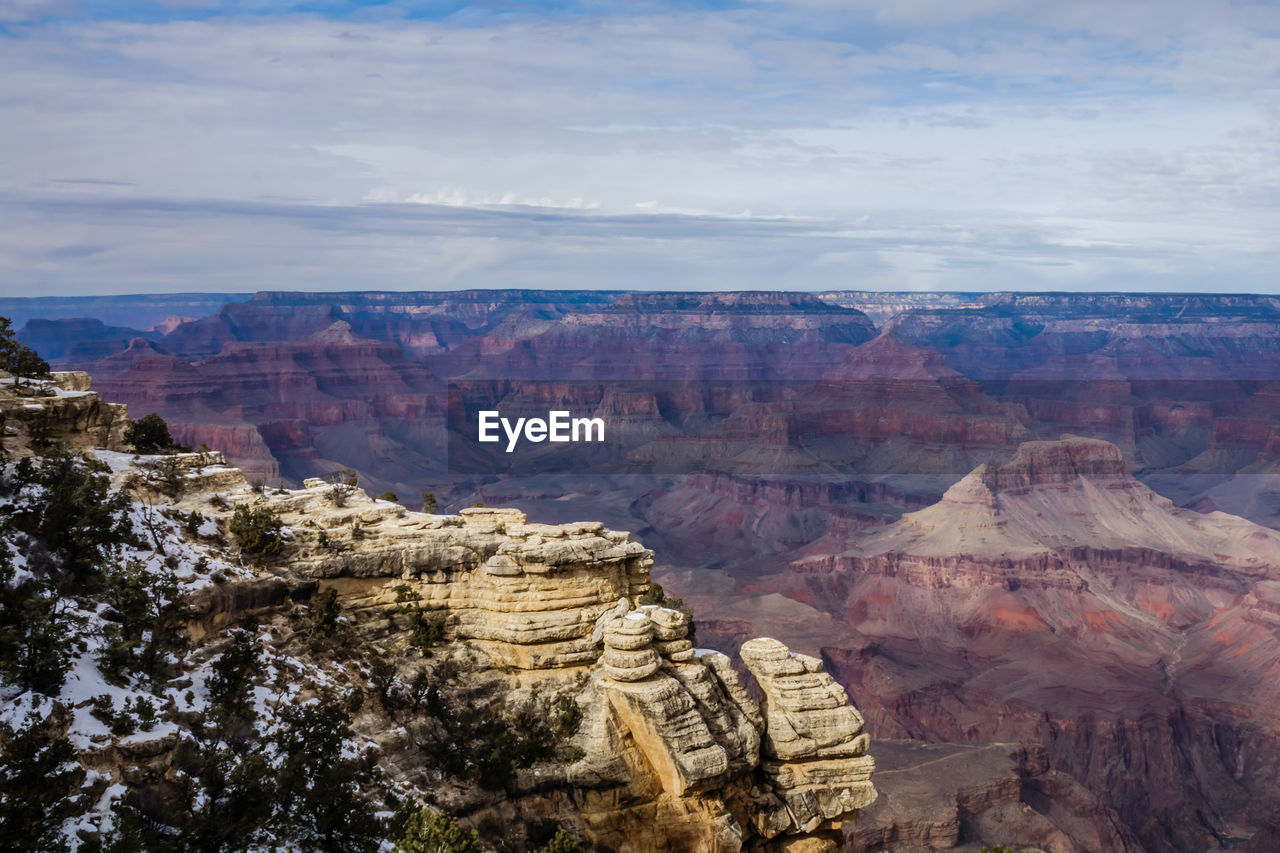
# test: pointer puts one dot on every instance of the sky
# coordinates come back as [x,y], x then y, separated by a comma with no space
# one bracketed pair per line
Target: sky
[184,145]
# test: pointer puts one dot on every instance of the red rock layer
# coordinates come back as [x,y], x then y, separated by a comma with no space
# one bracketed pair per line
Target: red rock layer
[1146,671]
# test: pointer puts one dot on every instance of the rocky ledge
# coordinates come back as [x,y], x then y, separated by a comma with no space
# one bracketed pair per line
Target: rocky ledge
[62,411]
[675,754]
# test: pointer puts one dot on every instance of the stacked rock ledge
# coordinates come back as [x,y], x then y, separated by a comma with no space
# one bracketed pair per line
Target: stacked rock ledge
[675,751]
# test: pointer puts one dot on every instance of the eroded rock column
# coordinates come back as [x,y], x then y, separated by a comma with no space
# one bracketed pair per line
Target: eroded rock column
[814,743]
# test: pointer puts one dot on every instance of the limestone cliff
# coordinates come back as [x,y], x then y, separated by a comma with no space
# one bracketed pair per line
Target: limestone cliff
[674,752]
[62,411]
[668,750]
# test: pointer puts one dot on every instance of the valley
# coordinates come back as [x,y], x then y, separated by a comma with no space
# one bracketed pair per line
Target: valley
[1040,520]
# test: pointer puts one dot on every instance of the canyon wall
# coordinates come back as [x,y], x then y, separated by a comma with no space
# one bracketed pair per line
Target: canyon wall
[1134,654]
[675,753]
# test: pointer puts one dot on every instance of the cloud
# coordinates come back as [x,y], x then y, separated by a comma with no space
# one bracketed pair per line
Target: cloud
[16,11]
[1000,144]
[149,244]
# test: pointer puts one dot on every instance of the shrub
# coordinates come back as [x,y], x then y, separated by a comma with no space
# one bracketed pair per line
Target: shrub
[437,832]
[429,504]
[258,531]
[166,475]
[325,611]
[389,496]
[120,723]
[39,776]
[73,516]
[149,434]
[192,524]
[341,484]
[424,631]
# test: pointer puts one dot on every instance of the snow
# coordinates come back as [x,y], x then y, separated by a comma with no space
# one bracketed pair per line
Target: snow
[116,461]
[159,732]
[85,683]
[287,681]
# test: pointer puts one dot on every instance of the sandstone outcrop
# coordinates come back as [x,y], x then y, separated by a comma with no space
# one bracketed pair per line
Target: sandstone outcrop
[675,754]
[814,739]
[61,410]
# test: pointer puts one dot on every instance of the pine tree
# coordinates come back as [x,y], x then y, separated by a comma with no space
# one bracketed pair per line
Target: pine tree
[17,358]
[224,796]
[36,632]
[147,612]
[26,363]
[320,790]
[149,434]
[223,793]
[76,521]
[39,777]
[437,832]
[231,685]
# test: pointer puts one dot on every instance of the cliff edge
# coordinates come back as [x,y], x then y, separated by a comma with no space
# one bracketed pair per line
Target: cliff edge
[516,675]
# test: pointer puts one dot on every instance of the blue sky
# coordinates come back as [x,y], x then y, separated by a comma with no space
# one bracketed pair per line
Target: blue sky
[918,145]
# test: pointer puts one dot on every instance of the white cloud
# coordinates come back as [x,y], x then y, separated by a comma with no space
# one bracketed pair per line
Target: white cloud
[17,11]
[1070,123]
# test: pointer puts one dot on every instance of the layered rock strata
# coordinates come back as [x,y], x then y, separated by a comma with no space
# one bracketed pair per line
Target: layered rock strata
[675,754]
[1056,600]
[815,746]
[59,411]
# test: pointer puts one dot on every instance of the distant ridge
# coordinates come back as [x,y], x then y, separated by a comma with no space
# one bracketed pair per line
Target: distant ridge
[138,311]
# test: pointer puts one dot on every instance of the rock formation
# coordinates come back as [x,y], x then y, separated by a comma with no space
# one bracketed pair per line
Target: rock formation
[671,741]
[63,411]
[813,737]
[1128,636]
[1061,602]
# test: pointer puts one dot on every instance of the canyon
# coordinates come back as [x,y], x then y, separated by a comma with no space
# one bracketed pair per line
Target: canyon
[1034,529]
[661,745]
